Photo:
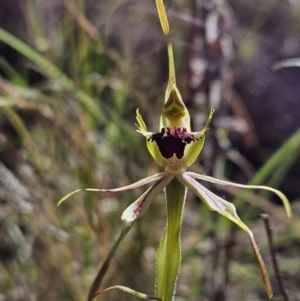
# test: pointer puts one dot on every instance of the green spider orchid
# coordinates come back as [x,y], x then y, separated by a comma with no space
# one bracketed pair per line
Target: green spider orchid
[175,147]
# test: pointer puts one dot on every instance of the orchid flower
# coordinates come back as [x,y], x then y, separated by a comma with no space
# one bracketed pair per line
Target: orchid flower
[175,147]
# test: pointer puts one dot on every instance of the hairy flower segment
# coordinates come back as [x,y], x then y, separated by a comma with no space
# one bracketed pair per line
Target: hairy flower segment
[172,142]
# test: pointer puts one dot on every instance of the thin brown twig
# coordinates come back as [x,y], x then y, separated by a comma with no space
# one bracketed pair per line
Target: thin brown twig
[269,232]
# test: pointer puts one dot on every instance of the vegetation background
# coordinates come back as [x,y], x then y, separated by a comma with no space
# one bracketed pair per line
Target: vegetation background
[72,74]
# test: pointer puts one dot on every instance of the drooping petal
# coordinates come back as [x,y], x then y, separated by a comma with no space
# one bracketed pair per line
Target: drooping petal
[228,210]
[124,188]
[284,199]
[138,208]
[212,201]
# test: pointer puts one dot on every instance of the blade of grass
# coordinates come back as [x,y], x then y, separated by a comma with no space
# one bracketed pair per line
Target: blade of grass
[21,129]
[13,75]
[53,72]
[289,150]
[276,167]
[82,21]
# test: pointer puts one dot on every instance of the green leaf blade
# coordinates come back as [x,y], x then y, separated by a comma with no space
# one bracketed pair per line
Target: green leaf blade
[169,252]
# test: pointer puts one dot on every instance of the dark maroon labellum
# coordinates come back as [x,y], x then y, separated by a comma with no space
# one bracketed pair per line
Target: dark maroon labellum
[172,142]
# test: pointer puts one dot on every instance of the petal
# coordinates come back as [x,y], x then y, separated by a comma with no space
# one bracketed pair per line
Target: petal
[215,203]
[212,201]
[152,147]
[155,153]
[284,199]
[141,125]
[193,149]
[138,208]
[131,186]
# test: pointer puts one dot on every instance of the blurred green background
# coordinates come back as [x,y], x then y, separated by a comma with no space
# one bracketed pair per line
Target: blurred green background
[72,74]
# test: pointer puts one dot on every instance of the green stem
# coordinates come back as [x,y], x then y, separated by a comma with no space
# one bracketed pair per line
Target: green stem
[97,282]
[169,251]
